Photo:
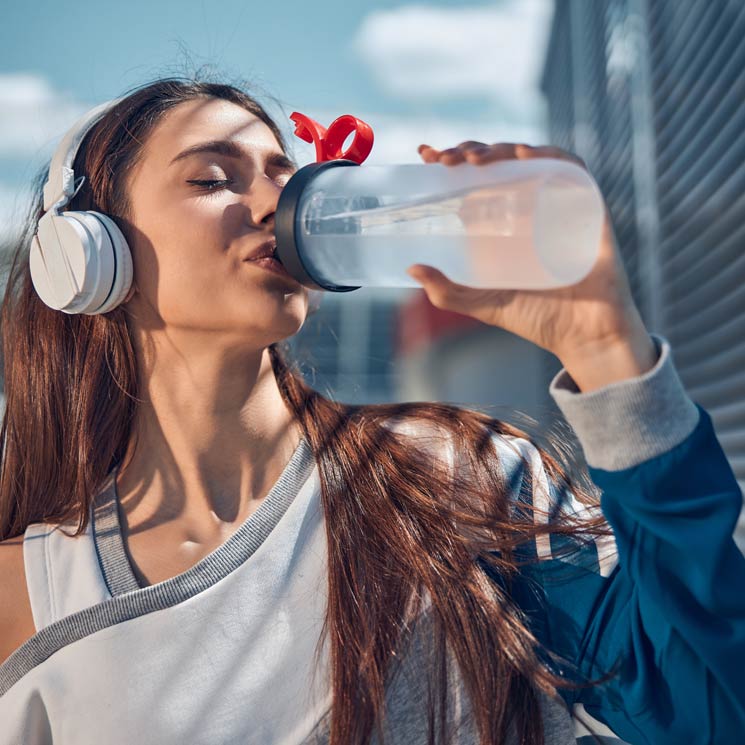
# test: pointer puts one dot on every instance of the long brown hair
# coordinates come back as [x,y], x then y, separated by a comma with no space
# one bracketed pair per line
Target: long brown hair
[402,524]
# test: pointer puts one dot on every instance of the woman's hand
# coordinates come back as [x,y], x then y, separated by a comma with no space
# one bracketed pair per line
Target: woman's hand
[593,327]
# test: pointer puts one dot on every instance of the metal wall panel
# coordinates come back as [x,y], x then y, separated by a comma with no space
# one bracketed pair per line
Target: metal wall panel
[650,93]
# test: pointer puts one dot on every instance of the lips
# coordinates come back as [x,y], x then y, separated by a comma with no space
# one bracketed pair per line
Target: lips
[265,250]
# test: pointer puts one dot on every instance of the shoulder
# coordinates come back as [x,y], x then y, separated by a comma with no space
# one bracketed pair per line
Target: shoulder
[531,474]
[513,452]
[514,460]
[421,432]
[16,619]
[437,438]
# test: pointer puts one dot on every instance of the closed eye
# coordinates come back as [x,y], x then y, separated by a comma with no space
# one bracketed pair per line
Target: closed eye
[210,184]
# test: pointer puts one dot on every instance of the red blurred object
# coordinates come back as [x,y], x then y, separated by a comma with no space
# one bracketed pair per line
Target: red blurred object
[329,141]
[419,324]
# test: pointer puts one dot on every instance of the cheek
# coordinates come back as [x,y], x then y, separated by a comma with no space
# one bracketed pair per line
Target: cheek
[173,261]
[197,231]
[187,268]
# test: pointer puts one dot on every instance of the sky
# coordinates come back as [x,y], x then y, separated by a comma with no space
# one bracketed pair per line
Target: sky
[439,72]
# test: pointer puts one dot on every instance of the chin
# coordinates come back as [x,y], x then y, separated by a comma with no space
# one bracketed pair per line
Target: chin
[285,322]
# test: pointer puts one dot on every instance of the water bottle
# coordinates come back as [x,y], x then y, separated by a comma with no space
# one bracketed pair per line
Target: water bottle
[513,224]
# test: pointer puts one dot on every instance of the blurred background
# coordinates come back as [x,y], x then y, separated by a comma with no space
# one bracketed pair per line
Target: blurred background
[648,92]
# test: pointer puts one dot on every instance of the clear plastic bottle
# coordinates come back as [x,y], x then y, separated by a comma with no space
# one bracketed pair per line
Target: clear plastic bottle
[517,224]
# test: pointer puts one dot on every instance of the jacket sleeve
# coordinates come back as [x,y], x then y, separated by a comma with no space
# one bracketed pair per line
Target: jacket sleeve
[665,605]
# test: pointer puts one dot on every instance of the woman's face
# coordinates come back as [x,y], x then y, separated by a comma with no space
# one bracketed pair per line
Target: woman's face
[189,240]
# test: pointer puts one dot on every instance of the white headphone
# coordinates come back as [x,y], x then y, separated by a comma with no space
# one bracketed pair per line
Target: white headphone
[80,261]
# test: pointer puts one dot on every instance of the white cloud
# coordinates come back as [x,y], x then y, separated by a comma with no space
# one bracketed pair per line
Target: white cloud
[14,204]
[35,115]
[418,52]
[34,118]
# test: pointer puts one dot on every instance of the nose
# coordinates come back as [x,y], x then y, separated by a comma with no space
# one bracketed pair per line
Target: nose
[263,200]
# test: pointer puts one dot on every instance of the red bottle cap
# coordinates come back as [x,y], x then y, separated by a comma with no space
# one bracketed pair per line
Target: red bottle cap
[329,141]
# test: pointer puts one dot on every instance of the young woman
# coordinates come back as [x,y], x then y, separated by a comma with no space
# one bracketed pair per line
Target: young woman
[197,547]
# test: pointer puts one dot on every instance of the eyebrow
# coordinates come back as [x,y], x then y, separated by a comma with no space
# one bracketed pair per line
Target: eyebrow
[231,149]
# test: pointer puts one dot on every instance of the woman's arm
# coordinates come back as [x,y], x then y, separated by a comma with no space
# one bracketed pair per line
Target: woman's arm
[671,612]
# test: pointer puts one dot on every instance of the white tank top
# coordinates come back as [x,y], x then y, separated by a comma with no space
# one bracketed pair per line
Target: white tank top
[222,653]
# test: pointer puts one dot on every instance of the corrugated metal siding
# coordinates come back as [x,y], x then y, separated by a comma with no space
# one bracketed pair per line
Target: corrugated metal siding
[656,89]
[699,80]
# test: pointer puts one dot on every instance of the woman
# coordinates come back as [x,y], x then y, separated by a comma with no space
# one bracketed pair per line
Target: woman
[198,547]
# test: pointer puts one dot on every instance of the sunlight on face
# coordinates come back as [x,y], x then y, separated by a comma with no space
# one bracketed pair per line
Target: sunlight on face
[198,210]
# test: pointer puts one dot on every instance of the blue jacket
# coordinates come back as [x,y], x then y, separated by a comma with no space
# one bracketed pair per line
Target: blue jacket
[671,613]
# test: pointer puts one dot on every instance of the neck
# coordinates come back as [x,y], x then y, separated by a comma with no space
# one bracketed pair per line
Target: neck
[210,439]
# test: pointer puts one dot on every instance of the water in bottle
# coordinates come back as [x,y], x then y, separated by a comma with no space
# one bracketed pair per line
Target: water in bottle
[517,224]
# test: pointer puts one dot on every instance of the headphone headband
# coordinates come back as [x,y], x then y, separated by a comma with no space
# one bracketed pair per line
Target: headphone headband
[79,260]
[60,185]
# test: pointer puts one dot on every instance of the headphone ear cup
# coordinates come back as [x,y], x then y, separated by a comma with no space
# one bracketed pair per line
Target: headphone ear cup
[80,262]
[123,271]
[65,262]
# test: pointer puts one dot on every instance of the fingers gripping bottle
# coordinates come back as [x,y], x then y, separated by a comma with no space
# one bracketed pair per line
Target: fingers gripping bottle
[514,224]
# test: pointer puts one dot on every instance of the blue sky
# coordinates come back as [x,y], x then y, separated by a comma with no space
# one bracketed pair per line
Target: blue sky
[438,71]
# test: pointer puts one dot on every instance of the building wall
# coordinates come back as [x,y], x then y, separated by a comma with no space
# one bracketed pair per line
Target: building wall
[377,345]
[649,93]
[485,368]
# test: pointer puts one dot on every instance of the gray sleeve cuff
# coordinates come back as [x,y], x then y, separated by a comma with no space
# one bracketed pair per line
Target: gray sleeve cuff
[630,421]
